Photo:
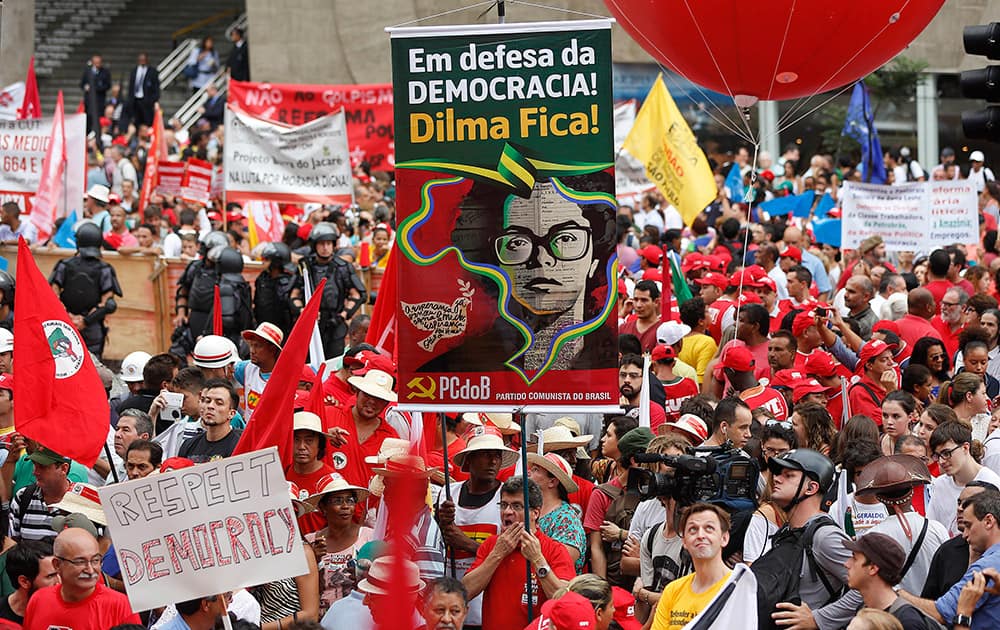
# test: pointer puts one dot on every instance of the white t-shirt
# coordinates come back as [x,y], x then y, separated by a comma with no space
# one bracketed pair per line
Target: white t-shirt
[913,581]
[863,515]
[992,457]
[943,507]
[757,540]
[648,513]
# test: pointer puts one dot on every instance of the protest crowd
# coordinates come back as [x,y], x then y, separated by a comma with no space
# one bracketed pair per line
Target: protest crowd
[846,401]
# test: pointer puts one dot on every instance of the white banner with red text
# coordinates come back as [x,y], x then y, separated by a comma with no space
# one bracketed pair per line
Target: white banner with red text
[22,151]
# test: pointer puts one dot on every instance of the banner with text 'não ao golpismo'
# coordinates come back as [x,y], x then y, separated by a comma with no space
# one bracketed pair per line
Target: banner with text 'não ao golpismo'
[506,208]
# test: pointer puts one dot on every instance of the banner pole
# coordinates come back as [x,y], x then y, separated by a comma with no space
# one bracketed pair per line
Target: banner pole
[447,484]
[111,461]
[520,418]
[502,19]
[227,623]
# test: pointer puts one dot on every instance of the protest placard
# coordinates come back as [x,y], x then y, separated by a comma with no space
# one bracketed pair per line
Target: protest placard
[270,162]
[197,181]
[916,217]
[171,175]
[367,111]
[22,150]
[505,158]
[204,530]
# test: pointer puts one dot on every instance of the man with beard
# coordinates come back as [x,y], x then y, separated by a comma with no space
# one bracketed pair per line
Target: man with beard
[216,407]
[630,376]
[704,529]
[950,321]
[445,604]
[858,293]
[81,600]
[29,567]
[498,572]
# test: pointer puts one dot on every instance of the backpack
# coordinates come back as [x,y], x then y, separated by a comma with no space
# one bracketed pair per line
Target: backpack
[778,571]
[620,513]
[929,622]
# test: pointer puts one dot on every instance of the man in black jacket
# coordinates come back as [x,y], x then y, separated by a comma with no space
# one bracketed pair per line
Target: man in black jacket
[239,58]
[95,83]
[143,91]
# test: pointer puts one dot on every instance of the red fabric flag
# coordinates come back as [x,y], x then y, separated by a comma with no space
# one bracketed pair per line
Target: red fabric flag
[60,399]
[81,108]
[217,313]
[271,424]
[50,189]
[317,396]
[157,153]
[365,259]
[31,107]
[382,329]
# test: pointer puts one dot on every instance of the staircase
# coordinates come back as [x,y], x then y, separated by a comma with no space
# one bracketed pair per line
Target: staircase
[69,32]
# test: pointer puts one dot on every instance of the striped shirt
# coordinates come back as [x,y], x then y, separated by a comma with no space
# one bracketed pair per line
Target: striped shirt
[36,522]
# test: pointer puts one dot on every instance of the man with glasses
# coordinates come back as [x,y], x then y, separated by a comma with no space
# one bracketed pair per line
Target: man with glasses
[950,322]
[950,444]
[498,570]
[81,600]
[953,557]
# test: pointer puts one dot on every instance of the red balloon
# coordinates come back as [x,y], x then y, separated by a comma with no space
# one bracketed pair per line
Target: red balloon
[773,49]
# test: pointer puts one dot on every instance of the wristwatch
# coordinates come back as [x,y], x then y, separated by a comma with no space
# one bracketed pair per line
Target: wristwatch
[542,571]
[962,620]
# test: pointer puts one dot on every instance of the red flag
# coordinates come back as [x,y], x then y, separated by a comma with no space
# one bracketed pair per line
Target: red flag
[317,396]
[50,188]
[271,424]
[382,329]
[31,107]
[57,384]
[217,313]
[81,108]
[157,152]
[365,259]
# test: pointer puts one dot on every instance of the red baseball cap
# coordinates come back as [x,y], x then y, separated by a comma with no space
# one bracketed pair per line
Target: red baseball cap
[652,254]
[766,282]
[737,357]
[791,251]
[715,279]
[871,350]
[820,363]
[663,351]
[175,463]
[749,297]
[624,609]
[786,378]
[572,611]
[805,387]
[802,321]
[888,325]
[695,260]
[7,381]
[745,278]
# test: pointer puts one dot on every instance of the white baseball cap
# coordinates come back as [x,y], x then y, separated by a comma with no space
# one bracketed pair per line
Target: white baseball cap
[977,156]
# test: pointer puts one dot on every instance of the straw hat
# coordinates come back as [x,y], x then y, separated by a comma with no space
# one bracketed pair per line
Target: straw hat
[82,498]
[307,421]
[328,484]
[266,332]
[486,439]
[502,421]
[558,438]
[404,466]
[574,428]
[382,572]
[375,383]
[298,497]
[391,447]
[691,427]
[557,467]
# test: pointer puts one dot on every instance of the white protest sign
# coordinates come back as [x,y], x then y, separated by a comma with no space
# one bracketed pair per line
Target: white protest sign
[919,216]
[271,162]
[204,530]
[22,150]
[11,99]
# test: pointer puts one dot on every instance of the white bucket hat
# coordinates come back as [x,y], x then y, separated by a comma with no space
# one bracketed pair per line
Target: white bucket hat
[390,447]
[100,193]
[6,340]
[82,498]
[307,421]
[381,573]
[375,383]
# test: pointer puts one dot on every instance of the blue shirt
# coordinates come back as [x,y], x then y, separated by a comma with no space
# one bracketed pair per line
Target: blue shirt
[815,266]
[987,615]
[177,623]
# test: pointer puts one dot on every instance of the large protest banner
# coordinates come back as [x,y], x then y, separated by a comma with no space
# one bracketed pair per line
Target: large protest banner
[505,185]
[22,150]
[270,162]
[916,217]
[204,530]
[367,110]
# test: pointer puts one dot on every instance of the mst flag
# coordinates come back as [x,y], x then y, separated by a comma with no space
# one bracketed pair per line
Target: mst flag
[60,399]
[662,140]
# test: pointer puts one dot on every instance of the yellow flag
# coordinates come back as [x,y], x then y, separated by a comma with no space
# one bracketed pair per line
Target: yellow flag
[663,142]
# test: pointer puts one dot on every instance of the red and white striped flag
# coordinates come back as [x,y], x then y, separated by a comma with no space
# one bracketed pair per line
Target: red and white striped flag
[45,207]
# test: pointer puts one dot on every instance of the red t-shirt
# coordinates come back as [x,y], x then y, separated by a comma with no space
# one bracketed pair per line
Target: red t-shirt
[505,602]
[647,339]
[582,496]
[912,328]
[835,405]
[677,391]
[716,311]
[861,400]
[103,609]
[593,518]
[938,288]
[313,521]
[768,398]
[435,459]
[349,459]
[949,338]
[338,393]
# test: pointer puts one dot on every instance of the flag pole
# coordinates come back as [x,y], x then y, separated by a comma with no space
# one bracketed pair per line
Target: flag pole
[447,485]
[111,461]
[520,417]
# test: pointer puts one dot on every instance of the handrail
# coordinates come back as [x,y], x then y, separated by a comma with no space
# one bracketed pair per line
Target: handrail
[173,65]
[188,112]
[203,22]
[240,23]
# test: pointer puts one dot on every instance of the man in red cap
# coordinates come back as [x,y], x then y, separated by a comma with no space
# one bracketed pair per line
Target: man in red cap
[825,369]
[712,286]
[737,363]
[809,390]
[676,389]
[805,327]
[889,332]
[878,377]
[265,344]
[649,262]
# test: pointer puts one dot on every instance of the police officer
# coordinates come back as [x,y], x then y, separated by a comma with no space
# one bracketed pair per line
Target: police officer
[87,287]
[234,295]
[196,295]
[344,292]
[6,301]
[272,301]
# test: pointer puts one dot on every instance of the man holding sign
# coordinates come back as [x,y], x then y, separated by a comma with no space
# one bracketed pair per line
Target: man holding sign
[81,601]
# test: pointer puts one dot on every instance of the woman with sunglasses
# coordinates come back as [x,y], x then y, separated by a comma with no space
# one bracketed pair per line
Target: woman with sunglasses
[899,412]
[930,352]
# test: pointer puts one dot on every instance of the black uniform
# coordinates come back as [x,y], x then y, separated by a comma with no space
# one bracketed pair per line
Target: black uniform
[341,278]
[272,300]
[83,280]
[196,286]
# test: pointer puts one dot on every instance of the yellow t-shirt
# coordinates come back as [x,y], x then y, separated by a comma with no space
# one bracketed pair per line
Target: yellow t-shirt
[684,370]
[697,351]
[679,604]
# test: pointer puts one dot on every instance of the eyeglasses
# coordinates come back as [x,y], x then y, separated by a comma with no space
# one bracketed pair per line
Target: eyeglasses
[517,507]
[949,304]
[81,563]
[519,246]
[784,424]
[774,452]
[945,454]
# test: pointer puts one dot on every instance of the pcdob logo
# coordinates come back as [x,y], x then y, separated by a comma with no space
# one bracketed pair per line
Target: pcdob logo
[67,349]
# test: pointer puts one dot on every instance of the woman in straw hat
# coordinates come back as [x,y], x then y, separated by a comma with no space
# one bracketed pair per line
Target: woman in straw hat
[558,520]
[337,545]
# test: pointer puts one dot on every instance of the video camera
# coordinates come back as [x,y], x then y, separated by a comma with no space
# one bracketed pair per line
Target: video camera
[722,475]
